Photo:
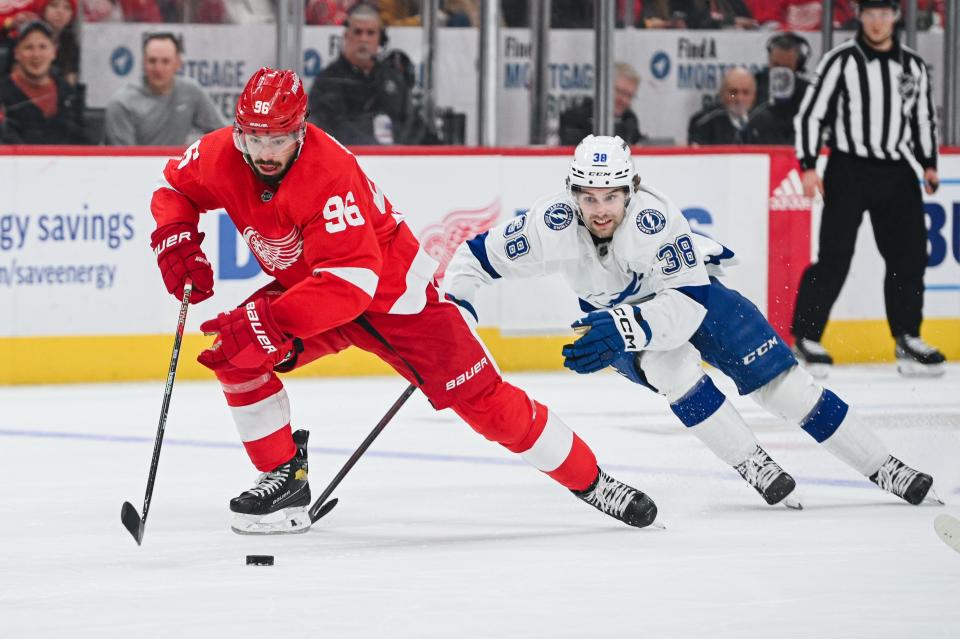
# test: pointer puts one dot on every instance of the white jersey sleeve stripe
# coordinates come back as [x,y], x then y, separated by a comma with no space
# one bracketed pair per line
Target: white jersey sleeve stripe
[419,276]
[162,183]
[363,278]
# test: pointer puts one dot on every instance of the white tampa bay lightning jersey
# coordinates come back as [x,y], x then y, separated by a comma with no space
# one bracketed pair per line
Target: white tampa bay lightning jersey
[651,260]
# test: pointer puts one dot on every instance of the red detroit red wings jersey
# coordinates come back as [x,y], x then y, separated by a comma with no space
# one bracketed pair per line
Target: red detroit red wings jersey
[326,233]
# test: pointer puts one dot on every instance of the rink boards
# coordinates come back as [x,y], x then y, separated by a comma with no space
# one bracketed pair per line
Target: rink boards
[81,297]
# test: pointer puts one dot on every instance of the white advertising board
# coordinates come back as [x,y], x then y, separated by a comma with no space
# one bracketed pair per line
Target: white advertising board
[74,233]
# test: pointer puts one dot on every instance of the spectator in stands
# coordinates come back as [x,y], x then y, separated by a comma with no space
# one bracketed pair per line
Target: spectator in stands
[713,14]
[193,11]
[140,11]
[800,15]
[660,14]
[36,105]
[571,14]
[780,90]
[786,51]
[12,14]
[726,121]
[460,13]
[121,10]
[575,14]
[11,9]
[59,14]
[250,12]
[165,109]
[327,11]
[516,13]
[930,14]
[577,123]
[406,13]
[180,11]
[360,99]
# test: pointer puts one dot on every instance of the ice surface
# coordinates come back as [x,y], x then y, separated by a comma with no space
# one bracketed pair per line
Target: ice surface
[440,533]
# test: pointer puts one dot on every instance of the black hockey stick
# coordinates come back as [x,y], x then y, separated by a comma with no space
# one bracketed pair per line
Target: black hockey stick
[128,514]
[321,506]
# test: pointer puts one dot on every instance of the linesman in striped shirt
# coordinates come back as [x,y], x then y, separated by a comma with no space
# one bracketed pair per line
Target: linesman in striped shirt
[873,99]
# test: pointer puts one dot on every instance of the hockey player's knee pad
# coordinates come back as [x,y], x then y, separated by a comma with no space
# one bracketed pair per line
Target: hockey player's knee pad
[796,397]
[702,401]
[673,373]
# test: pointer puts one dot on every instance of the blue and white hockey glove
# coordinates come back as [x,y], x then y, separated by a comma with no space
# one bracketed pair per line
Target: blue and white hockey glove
[609,334]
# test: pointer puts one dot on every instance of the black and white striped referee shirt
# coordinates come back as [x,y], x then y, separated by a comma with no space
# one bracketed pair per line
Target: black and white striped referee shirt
[877,104]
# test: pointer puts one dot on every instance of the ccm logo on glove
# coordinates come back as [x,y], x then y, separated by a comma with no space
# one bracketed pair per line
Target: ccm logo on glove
[627,326]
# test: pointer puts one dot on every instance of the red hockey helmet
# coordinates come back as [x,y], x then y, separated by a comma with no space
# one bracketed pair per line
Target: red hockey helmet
[271,114]
[272,102]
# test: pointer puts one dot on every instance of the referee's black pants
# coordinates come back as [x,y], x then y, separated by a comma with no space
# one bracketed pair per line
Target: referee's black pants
[891,192]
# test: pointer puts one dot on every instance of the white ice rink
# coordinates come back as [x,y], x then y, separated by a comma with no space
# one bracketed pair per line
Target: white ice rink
[440,533]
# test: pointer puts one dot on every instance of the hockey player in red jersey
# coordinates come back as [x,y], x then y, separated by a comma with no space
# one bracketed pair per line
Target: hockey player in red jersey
[348,271]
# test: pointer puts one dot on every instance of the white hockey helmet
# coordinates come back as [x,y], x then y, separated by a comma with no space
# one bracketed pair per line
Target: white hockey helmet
[601,161]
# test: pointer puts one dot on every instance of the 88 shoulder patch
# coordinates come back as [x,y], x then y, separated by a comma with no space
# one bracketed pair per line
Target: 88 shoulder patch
[651,221]
[558,216]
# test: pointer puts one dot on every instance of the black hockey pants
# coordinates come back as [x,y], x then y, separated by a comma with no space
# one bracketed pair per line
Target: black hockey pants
[891,192]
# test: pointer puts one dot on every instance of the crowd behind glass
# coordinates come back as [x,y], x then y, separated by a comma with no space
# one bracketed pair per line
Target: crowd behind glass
[366,97]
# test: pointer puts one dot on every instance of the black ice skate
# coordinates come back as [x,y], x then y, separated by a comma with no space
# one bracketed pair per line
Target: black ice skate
[773,483]
[813,356]
[916,358]
[279,501]
[618,500]
[910,485]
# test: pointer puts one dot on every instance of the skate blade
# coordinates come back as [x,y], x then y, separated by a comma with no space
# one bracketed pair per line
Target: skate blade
[909,368]
[288,521]
[933,498]
[792,502]
[948,529]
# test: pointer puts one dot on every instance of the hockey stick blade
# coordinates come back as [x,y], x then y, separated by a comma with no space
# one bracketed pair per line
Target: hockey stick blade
[131,521]
[321,506]
[326,508]
[948,529]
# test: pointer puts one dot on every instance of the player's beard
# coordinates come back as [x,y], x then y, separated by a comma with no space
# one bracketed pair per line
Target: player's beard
[273,179]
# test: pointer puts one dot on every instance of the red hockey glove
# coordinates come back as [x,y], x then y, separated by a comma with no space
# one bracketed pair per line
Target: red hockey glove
[249,338]
[179,256]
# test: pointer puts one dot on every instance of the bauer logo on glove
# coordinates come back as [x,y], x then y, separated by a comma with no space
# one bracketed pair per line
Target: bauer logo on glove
[249,337]
[179,256]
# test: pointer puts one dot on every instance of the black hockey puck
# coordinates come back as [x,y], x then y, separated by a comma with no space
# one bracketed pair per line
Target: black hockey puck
[259,560]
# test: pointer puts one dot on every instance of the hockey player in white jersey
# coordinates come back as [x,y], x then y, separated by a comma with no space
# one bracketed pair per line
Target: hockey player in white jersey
[655,309]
